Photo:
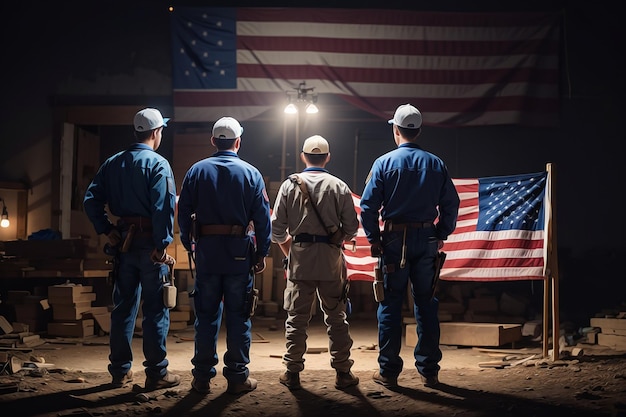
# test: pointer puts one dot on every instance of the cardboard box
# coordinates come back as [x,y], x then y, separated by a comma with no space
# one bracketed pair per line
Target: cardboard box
[613,341]
[16,296]
[181,256]
[67,290]
[178,325]
[62,312]
[70,294]
[80,328]
[182,299]
[609,325]
[103,322]
[31,311]
[176,315]
[97,310]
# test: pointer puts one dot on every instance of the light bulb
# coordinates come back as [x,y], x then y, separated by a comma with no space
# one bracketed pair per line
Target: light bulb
[311,108]
[291,109]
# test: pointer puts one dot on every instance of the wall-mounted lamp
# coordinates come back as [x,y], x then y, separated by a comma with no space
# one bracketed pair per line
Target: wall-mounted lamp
[4,219]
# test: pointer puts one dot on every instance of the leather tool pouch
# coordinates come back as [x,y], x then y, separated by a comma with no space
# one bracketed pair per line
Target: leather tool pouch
[253,301]
[170,292]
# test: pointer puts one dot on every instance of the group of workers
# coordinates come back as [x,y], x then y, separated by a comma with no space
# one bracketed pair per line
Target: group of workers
[225,221]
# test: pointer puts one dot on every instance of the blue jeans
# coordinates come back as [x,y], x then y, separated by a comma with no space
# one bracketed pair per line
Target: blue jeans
[216,294]
[421,249]
[139,278]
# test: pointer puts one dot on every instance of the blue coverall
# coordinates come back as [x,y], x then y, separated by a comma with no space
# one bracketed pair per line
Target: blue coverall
[224,190]
[411,186]
[137,182]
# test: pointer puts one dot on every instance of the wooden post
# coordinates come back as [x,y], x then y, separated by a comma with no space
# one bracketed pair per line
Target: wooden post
[546,314]
[551,281]
[553,260]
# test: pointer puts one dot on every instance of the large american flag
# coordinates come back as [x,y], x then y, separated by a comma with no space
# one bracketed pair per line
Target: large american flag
[460,69]
[500,235]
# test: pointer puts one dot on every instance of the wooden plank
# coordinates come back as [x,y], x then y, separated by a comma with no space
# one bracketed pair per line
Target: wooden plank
[506,351]
[96,273]
[471,334]
[613,341]
[479,334]
[5,325]
[607,323]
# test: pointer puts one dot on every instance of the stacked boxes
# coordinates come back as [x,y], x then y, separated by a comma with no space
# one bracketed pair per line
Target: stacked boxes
[69,302]
[32,310]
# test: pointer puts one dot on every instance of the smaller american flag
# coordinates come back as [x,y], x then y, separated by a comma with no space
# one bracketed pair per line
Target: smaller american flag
[499,236]
[500,230]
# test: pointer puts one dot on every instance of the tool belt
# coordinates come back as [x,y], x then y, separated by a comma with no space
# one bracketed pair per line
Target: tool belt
[390,226]
[307,238]
[234,230]
[142,224]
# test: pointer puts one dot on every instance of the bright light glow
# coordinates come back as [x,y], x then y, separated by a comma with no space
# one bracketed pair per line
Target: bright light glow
[5,216]
[291,109]
[311,108]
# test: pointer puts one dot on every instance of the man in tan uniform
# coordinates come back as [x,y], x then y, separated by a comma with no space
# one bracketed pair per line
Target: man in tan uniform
[316,265]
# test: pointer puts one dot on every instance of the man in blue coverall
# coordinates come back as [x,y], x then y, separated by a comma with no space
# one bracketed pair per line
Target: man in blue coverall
[138,186]
[224,212]
[410,189]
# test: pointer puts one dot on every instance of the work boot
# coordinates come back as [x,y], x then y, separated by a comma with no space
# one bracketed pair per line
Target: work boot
[345,380]
[119,382]
[246,386]
[291,380]
[203,387]
[168,381]
[430,381]
[385,381]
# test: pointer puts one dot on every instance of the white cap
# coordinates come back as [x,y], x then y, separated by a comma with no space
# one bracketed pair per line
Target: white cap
[148,119]
[227,128]
[407,116]
[315,145]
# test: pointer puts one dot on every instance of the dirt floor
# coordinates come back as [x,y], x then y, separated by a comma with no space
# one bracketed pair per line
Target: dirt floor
[75,382]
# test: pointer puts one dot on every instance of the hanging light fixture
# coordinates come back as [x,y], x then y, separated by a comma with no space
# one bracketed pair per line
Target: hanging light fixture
[302,95]
[4,219]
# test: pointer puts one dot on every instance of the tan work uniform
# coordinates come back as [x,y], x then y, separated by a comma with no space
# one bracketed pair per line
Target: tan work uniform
[315,269]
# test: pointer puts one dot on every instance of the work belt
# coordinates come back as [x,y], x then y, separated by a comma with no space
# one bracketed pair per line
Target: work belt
[399,227]
[222,229]
[142,224]
[307,238]
[391,226]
